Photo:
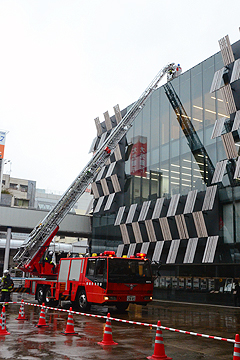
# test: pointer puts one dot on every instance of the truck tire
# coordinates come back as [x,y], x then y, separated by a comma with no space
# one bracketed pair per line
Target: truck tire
[50,301]
[40,295]
[121,307]
[82,302]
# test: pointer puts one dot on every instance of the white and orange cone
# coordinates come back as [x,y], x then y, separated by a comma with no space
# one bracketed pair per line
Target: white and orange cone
[107,336]
[70,325]
[3,330]
[21,314]
[42,321]
[236,351]
[159,351]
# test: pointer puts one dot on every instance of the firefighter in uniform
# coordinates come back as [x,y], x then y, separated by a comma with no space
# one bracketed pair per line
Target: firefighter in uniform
[49,259]
[6,286]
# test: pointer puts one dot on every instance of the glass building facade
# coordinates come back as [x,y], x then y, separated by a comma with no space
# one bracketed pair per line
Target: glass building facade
[176,158]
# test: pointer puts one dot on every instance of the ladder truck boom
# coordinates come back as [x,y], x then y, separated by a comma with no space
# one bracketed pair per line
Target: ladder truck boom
[196,146]
[40,237]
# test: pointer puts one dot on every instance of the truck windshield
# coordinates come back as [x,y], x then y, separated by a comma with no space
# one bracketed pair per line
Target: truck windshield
[129,271]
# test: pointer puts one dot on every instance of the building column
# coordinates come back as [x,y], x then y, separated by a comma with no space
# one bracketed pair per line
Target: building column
[7,249]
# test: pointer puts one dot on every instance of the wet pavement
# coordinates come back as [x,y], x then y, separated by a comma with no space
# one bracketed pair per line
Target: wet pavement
[28,342]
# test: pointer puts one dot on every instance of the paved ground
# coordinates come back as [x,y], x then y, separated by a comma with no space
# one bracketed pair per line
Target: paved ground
[28,342]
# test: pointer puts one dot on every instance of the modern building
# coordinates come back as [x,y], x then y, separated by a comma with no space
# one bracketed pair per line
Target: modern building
[171,188]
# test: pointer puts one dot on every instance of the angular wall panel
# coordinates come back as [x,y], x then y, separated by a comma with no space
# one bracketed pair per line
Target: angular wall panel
[131,213]
[99,204]
[107,121]
[228,99]
[150,231]
[218,127]
[200,224]
[118,114]
[145,247]
[109,202]
[131,250]
[157,251]
[181,226]
[119,215]
[190,202]
[165,228]
[95,190]
[210,249]
[229,145]
[137,232]
[236,123]
[120,250]
[172,255]
[219,171]
[173,205]
[226,50]
[190,251]
[124,232]
[104,187]
[209,198]
[217,80]
[237,170]
[98,126]
[158,208]
[144,210]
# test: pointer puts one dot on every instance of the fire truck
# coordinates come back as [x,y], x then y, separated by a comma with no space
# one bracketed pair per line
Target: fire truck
[103,279]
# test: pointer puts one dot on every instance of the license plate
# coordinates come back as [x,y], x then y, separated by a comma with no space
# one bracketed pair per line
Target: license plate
[131,298]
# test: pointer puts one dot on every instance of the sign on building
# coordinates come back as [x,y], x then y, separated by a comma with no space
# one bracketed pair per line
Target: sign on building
[138,158]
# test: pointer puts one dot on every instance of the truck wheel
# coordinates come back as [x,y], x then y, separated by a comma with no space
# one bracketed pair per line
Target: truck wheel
[50,301]
[122,306]
[40,295]
[82,302]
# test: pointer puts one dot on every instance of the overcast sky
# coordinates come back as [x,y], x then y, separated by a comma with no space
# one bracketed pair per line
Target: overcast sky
[65,62]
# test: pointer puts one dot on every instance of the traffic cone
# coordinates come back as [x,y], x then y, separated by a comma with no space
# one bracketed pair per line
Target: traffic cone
[42,321]
[21,314]
[236,350]
[3,330]
[159,352]
[107,336]
[70,325]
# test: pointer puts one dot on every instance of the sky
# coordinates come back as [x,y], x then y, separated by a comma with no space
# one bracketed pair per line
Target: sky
[65,62]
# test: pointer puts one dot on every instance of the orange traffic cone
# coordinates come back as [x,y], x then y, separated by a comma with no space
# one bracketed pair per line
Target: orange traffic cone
[42,321]
[107,336]
[236,350]
[21,314]
[159,352]
[3,330]
[70,325]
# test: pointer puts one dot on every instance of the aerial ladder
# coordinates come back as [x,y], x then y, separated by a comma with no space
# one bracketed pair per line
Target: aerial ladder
[30,253]
[196,146]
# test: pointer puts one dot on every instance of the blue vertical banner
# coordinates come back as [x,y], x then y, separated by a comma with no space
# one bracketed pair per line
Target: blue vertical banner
[2,143]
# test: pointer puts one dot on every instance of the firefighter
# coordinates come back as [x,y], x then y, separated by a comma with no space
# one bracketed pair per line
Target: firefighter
[49,259]
[6,286]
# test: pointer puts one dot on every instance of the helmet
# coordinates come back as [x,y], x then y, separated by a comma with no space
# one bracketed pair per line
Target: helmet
[6,272]
[50,253]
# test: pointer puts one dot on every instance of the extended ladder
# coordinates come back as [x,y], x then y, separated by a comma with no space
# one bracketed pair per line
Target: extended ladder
[39,237]
[196,146]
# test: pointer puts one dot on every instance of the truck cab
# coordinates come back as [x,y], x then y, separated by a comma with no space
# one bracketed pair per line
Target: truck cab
[105,279]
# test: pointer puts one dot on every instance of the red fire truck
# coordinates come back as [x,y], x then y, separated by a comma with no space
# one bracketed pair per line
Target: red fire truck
[104,279]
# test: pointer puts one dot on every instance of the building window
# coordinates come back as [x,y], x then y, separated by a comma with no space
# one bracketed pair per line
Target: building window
[24,188]
[13,186]
[21,202]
